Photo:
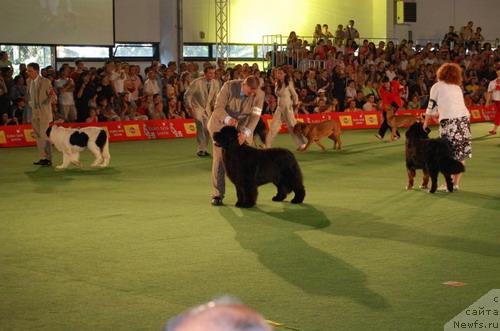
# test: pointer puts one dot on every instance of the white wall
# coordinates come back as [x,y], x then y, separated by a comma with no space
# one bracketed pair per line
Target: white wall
[137,20]
[149,21]
[434,17]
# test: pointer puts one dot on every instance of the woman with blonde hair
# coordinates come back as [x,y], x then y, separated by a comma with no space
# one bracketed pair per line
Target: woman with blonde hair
[447,103]
[287,99]
[318,34]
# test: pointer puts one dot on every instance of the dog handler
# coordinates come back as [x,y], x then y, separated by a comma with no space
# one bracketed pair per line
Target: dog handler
[239,103]
[287,98]
[391,100]
[40,94]
[447,100]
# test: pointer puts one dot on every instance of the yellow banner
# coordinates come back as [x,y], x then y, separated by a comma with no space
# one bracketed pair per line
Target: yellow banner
[345,120]
[3,139]
[132,130]
[29,135]
[371,119]
[475,113]
[190,128]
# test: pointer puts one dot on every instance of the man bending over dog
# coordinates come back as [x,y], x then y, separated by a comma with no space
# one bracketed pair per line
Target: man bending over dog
[239,103]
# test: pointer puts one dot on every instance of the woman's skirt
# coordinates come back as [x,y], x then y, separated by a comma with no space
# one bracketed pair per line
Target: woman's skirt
[457,132]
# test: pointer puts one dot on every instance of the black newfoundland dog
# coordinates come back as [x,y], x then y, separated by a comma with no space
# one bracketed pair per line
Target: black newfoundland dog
[430,155]
[248,168]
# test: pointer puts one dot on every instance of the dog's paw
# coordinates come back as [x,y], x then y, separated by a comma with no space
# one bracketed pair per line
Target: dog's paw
[61,166]
[244,205]
[408,187]
[423,187]
[278,198]
[295,201]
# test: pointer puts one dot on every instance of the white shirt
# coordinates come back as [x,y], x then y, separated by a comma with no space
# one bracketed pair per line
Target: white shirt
[118,80]
[350,92]
[33,97]
[369,106]
[151,87]
[65,98]
[494,88]
[391,74]
[449,99]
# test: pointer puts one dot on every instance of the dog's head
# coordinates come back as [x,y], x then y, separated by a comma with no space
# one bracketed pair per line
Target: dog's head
[416,131]
[226,137]
[300,128]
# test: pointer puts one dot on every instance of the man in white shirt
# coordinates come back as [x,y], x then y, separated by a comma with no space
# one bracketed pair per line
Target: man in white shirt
[493,97]
[151,86]
[370,103]
[350,31]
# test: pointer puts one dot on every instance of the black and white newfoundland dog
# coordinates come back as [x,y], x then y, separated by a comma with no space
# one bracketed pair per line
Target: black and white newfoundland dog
[248,168]
[430,155]
[70,142]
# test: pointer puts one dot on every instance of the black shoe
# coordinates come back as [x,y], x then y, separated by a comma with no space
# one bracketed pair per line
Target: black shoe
[217,201]
[43,162]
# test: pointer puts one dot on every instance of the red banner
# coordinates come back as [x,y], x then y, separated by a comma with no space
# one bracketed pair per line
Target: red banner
[22,135]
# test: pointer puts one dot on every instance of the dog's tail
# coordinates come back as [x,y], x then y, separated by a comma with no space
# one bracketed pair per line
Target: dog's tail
[101,140]
[447,163]
[451,166]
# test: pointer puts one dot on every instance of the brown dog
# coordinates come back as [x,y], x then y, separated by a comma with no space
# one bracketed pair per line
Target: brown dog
[398,121]
[314,132]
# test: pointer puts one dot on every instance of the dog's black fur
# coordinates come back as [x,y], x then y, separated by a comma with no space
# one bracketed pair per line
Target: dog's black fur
[248,168]
[260,131]
[78,138]
[430,155]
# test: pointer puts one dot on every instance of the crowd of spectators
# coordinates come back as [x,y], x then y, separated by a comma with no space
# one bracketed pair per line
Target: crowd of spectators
[346,72]
[347,80]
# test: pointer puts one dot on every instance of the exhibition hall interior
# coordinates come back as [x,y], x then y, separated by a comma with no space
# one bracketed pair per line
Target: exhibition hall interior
[249,165]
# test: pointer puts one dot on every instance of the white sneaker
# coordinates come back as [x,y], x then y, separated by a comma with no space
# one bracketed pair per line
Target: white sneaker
[442,188]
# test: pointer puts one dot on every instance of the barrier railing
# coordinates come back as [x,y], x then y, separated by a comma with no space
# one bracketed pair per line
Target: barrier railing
[276,51]
[22,135]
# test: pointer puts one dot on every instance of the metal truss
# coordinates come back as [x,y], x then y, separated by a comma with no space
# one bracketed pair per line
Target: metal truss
[222,29]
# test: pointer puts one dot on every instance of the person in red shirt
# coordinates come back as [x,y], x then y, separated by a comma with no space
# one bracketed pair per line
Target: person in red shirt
[390,98]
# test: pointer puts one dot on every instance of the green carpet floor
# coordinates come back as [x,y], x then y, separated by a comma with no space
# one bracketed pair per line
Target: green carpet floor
[127,247]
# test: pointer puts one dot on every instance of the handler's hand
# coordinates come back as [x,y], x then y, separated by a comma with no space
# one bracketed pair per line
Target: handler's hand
[241,138]
[233,122]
